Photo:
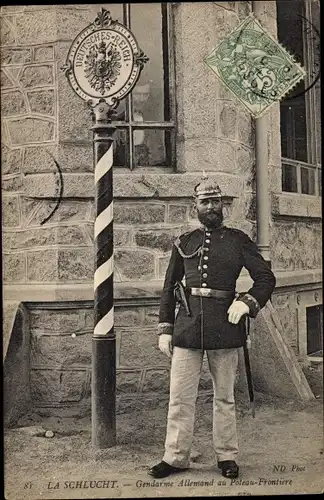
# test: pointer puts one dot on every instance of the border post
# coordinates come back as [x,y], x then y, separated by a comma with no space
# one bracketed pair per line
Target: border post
[103,65]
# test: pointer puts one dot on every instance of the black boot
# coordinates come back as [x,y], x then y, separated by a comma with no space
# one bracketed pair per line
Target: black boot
[229,468]
[163,469]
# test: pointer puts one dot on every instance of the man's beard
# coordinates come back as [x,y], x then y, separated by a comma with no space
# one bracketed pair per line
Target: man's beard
[211,220]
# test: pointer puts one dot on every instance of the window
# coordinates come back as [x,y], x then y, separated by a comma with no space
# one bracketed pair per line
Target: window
[314,318]
[298,27]
[144,121]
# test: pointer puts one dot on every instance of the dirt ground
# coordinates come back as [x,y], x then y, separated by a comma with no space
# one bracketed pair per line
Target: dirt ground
[281,451]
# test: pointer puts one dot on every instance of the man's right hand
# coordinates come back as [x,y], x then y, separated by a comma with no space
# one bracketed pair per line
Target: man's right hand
[165,344]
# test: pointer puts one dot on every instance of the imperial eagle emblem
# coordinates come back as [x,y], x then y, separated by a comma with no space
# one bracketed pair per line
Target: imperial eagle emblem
[102,66]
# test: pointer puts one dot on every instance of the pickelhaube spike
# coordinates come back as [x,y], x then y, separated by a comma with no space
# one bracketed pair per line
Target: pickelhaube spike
[207,188]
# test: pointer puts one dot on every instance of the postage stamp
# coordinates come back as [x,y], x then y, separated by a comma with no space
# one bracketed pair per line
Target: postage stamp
[254,66]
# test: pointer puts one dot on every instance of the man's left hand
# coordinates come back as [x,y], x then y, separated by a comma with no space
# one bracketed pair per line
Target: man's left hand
[236,310]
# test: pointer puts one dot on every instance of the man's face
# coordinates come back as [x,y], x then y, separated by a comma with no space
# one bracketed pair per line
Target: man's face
[210,212]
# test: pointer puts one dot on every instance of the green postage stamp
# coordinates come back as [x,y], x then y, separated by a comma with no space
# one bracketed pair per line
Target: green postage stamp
[254,66]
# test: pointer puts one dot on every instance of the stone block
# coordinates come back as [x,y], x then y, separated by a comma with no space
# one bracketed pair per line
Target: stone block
[37,76]
[157,380]
[30,130]
[178,213]
[203,123]
[250,210]
[308,246]
[71,235]
[42,101]
[244,161]
[129,316]
[58,321]
[245,129]
[225,20]
[284,234]
[88,318]
[243,9]
[14,268]
[201,154]
[37,27]
[68,210]
[227,119]
[55,386]
[171,185]
[11,160]
[10,211]
[139,348]
[7,32]
[226,156]
[135,265]
[75,185]
[73,112]
[158,239]
[12,184]
[5,82]
[28,208]
[12,103]
[61,351]
[43,54]
[75,158]
[140,213]
[76,265]
[39,159]
[33,238]
[42,266]
[71,21]
[127,381]
[121,237]
[280,299]
[15,56]
[151,315]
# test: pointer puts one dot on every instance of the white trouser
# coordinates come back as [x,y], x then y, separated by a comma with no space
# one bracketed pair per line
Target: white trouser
[186,369]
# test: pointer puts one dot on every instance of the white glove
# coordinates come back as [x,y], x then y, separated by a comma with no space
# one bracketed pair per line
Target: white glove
[236,310]
[165,344]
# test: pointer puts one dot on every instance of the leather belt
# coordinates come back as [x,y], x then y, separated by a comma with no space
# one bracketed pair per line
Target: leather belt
[209,292]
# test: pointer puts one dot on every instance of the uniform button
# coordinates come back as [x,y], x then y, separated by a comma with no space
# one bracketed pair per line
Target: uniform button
[207,234]
[207,241]
[204,275]
[204,284]
[206,249]
[205,257]
[205,266]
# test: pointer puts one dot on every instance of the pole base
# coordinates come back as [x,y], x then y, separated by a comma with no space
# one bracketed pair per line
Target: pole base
[103,392]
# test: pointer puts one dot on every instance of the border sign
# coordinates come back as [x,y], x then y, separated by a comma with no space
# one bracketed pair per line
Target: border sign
[104,61]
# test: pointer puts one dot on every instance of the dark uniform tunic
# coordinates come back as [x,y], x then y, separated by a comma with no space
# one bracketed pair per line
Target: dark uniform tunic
[212,259]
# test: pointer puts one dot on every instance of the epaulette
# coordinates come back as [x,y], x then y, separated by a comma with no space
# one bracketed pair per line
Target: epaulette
[183,240]
[235,230]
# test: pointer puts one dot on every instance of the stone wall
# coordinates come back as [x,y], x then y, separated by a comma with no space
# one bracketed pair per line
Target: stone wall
[43,119]
[296,244]
[61,364]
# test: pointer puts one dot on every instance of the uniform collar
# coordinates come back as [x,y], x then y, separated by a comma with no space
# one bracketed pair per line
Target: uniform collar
[205,229]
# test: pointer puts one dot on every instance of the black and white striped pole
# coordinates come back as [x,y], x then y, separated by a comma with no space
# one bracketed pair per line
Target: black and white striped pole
[103,387]
[103,65]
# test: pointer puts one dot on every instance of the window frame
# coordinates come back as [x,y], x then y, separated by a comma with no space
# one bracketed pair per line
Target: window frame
[130,125]
[312,126]
[299,165]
